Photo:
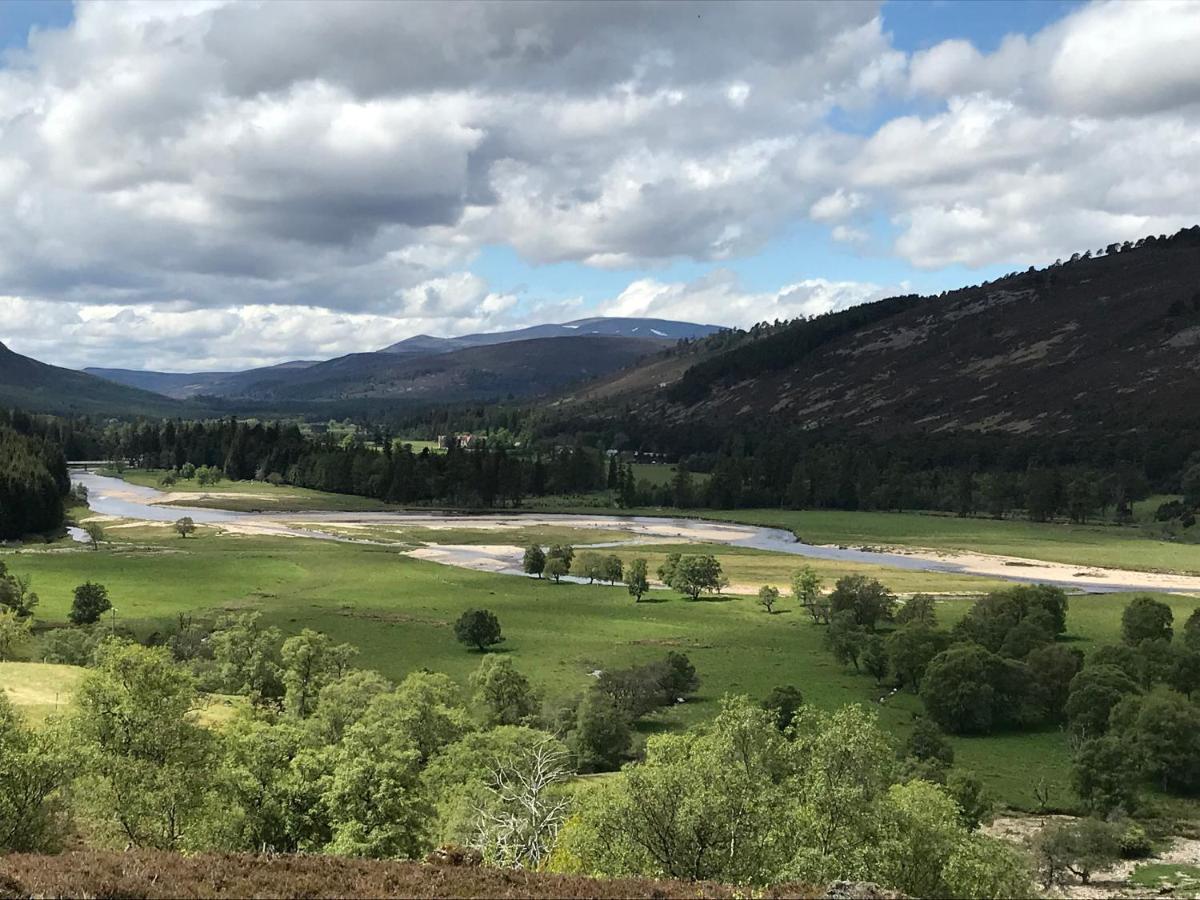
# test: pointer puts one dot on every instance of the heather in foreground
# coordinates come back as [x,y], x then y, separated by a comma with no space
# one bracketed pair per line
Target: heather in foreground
[156,874]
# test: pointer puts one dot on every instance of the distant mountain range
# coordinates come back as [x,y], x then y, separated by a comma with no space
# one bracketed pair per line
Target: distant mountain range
[524,362]
[1104,344]
[185,385]
[649,329]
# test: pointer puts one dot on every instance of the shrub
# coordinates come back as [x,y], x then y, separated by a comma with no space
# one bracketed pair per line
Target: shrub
[1134,843]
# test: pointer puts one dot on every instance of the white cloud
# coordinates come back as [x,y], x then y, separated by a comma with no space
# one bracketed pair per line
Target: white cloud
[837,206]
[167,337]
[1080,135]
[719,298]
[299,152]
[170,166]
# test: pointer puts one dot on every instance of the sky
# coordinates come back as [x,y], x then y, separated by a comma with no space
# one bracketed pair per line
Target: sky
[210,185]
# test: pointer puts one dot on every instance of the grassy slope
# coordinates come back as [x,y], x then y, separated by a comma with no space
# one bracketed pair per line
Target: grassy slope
[661,473]
[38,689]
[398,611]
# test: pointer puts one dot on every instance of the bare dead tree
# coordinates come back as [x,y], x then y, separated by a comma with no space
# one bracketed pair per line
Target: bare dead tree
[517,825]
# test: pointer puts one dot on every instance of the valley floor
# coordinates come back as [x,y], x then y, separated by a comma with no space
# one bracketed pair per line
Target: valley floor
[398,610]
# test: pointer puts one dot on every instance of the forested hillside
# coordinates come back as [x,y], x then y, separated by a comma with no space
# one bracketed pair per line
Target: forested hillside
[1107,342]
[1059,391]
[38,387]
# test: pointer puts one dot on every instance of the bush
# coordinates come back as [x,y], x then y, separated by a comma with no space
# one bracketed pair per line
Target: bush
[1078,848]
[1134,843]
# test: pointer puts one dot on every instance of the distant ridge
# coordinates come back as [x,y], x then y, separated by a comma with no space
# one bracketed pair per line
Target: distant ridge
[612,326]
[185,385]
[39,387]
[524,368]
[384,374]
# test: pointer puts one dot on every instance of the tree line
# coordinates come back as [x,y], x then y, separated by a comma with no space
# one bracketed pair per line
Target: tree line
[484,475]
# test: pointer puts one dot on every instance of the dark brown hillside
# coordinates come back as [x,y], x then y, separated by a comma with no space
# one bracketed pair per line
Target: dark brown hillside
[1109,343]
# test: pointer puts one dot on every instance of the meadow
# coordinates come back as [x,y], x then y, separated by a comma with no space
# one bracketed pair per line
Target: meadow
[398,611]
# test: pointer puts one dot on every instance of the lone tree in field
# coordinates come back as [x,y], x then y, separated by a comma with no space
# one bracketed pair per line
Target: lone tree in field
[185,526]
[478,628]
[534,562]
[694,575]
[90,603]
[768,596]
[556,568]
[95,534]
[637,579]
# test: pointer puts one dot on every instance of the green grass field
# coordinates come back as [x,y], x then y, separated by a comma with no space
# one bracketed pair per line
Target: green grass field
[38,689]
[418,445]
[661,473]
[398,611]
[1160,876]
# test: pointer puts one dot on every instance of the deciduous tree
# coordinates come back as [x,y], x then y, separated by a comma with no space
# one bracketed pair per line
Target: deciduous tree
[478,628]
[637,579]
[90,603]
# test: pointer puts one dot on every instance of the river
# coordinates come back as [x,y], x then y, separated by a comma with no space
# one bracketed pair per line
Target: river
[115,497]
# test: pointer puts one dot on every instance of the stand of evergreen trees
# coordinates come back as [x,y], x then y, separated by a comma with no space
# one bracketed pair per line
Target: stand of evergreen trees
[529,453]
[33,483]
[368,464]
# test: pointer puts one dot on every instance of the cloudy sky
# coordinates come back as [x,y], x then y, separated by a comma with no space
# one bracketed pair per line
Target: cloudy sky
[205,185]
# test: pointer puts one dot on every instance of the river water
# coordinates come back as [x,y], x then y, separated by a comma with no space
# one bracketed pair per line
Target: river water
[115,497]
